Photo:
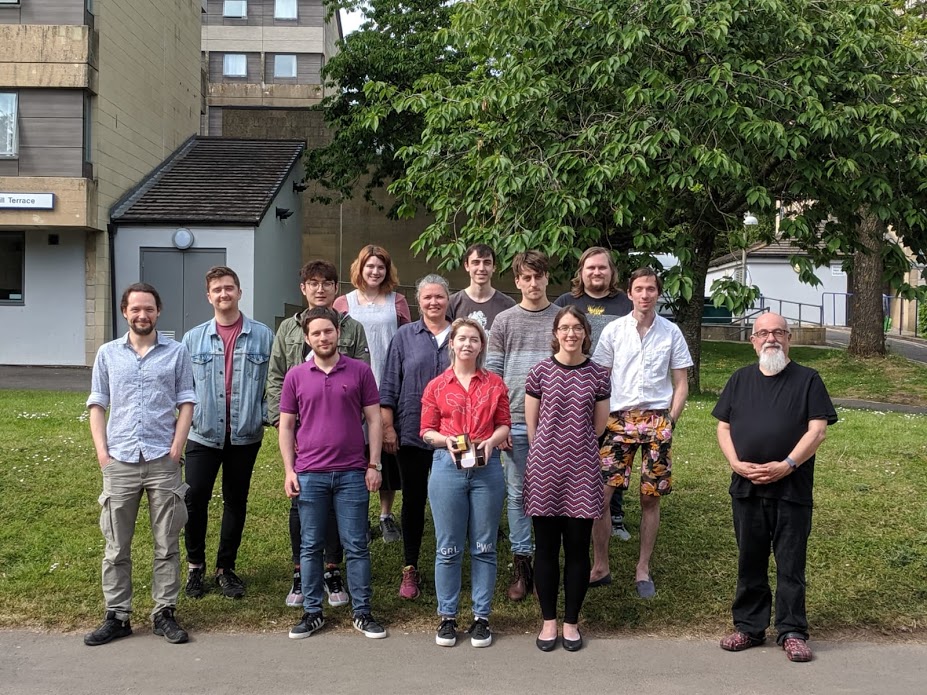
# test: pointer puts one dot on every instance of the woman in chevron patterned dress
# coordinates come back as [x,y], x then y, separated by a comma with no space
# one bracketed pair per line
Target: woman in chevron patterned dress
[566,409]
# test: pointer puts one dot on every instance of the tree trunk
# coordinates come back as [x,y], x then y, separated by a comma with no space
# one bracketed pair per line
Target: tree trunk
[689,314]
[867,332]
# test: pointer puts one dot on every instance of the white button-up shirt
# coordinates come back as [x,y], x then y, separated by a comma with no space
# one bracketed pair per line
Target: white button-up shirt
[642,367]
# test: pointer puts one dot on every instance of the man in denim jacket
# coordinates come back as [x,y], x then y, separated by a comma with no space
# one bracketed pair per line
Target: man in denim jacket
[230,357]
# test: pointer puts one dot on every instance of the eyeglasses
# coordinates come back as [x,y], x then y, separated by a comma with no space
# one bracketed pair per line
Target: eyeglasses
[575,330]
[778,334]
[316,285]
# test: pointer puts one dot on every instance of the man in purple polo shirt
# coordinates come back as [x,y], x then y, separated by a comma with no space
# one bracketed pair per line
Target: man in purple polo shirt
[322,406]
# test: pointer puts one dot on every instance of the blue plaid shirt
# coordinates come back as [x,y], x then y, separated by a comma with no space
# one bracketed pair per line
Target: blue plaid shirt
[142,394]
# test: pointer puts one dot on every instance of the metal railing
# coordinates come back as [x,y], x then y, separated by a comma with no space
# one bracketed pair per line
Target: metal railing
[806,313]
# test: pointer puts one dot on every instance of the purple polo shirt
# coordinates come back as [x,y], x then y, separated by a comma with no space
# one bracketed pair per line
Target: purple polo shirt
[330,435]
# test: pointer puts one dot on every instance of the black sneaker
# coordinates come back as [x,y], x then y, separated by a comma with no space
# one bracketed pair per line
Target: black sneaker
[480,634]
[447,633]
[195,587]
[310,623]
[364,622]
[166,626]
[111,628]
[231,584]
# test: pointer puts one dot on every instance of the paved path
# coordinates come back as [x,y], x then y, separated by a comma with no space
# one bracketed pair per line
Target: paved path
[340,662]
[45,378]
[914,349]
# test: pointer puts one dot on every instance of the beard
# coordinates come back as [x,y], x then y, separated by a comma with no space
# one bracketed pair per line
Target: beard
[142,329]
[325,352]
[773,361]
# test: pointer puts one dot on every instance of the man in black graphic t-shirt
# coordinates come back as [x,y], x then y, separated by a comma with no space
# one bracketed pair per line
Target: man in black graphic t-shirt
[772,418]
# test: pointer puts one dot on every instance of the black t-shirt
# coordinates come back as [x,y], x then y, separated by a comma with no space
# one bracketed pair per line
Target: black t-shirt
[600,312]
[768,415]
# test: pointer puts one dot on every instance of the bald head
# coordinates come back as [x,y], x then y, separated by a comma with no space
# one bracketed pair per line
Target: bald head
[771,341]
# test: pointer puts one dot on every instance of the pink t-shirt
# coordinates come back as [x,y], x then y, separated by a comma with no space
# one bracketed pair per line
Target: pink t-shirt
[329,407]
[229,335]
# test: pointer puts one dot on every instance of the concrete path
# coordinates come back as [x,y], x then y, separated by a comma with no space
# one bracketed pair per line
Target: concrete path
[45,378]
[341,662]
[914,349]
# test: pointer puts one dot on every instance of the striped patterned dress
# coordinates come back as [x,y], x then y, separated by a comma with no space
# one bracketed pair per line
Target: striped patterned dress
[562,476]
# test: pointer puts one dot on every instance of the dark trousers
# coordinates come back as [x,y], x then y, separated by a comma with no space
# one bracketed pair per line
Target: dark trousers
[414,467]
[202,464]
[759,524]
[334,553]
[550,532]
[616,507]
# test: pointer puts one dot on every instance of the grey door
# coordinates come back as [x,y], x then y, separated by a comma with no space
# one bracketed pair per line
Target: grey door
[180,278]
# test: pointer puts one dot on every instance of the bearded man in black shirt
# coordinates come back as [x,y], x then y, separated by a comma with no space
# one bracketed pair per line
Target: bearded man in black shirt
[772,417]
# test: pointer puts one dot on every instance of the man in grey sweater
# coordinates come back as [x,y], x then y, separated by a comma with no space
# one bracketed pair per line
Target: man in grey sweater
[520,338]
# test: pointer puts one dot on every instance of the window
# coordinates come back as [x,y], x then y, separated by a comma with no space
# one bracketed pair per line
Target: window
[9,128]
[285,9]
[12,259]
[88,127]
[235,8]
[235,65]
[285,66]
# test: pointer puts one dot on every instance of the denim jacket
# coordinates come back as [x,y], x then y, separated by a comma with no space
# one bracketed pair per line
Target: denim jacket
[248,410]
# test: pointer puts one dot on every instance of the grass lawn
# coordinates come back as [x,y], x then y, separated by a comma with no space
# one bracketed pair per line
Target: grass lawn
[866,566]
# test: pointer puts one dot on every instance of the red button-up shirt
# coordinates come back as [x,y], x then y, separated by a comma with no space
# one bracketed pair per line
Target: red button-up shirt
[450,409]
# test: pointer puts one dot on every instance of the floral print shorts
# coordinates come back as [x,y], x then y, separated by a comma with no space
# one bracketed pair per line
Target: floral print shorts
[651,431]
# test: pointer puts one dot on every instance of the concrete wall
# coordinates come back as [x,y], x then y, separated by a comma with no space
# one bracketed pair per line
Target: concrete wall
[777,280]
[50,327]
[277,255]
[238,243]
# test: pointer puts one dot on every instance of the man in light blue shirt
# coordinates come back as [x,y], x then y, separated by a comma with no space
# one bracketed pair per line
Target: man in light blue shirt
[143,378]
[230,356]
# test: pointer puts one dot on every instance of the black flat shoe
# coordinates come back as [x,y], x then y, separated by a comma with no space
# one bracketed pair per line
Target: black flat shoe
[546,645]
[601,581]
[573,645]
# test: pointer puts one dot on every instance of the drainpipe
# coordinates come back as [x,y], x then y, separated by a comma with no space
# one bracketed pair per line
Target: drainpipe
[111,233]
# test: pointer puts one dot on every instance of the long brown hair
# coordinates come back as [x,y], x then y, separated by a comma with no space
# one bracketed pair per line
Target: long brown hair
[390,281]
[576,284]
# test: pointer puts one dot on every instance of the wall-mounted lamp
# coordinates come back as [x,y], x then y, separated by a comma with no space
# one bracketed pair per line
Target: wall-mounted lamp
[182,239]
[300,186]
[283,213]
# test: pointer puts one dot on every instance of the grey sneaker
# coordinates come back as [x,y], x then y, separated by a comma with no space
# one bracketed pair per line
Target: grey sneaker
[619,530]
[334,587]
[389,529]
[309,623]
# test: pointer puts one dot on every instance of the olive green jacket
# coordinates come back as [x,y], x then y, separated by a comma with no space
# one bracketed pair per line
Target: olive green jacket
[287,352]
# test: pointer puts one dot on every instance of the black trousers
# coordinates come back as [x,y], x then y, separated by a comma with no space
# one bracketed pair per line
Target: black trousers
[202,464]
[414,467]
[550,532]
[761,524]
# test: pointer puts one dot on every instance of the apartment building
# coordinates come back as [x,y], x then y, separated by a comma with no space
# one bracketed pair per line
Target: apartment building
[94,94]
[264,54]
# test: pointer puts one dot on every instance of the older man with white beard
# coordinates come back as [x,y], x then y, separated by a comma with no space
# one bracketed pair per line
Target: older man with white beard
[772,418]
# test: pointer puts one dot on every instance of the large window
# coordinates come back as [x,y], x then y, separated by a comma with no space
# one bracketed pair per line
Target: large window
[12,259]
[285,66]
[9,128]
[235,65]
[285,9]
[235,8]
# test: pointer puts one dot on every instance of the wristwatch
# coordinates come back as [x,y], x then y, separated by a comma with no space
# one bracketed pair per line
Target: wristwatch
[378,467]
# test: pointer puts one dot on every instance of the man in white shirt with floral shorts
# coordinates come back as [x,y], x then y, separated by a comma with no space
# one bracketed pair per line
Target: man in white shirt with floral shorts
[648,358]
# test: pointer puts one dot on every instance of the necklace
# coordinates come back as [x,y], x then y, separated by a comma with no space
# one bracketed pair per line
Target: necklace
[370,302]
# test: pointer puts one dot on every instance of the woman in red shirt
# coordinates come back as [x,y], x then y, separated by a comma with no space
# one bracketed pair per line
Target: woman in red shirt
[466,500]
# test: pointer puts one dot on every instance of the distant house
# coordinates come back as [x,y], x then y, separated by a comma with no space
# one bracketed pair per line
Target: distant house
[769,267]
[215,201]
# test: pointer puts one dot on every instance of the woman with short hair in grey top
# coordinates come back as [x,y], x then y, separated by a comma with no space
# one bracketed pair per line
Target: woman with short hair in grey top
[416,355]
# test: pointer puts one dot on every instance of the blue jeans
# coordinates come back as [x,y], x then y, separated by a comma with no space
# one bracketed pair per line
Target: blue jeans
[346,491]
[515,460]
[465,502]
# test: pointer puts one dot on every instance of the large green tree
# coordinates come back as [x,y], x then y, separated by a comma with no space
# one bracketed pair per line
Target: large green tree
[397,45]
[661,123]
